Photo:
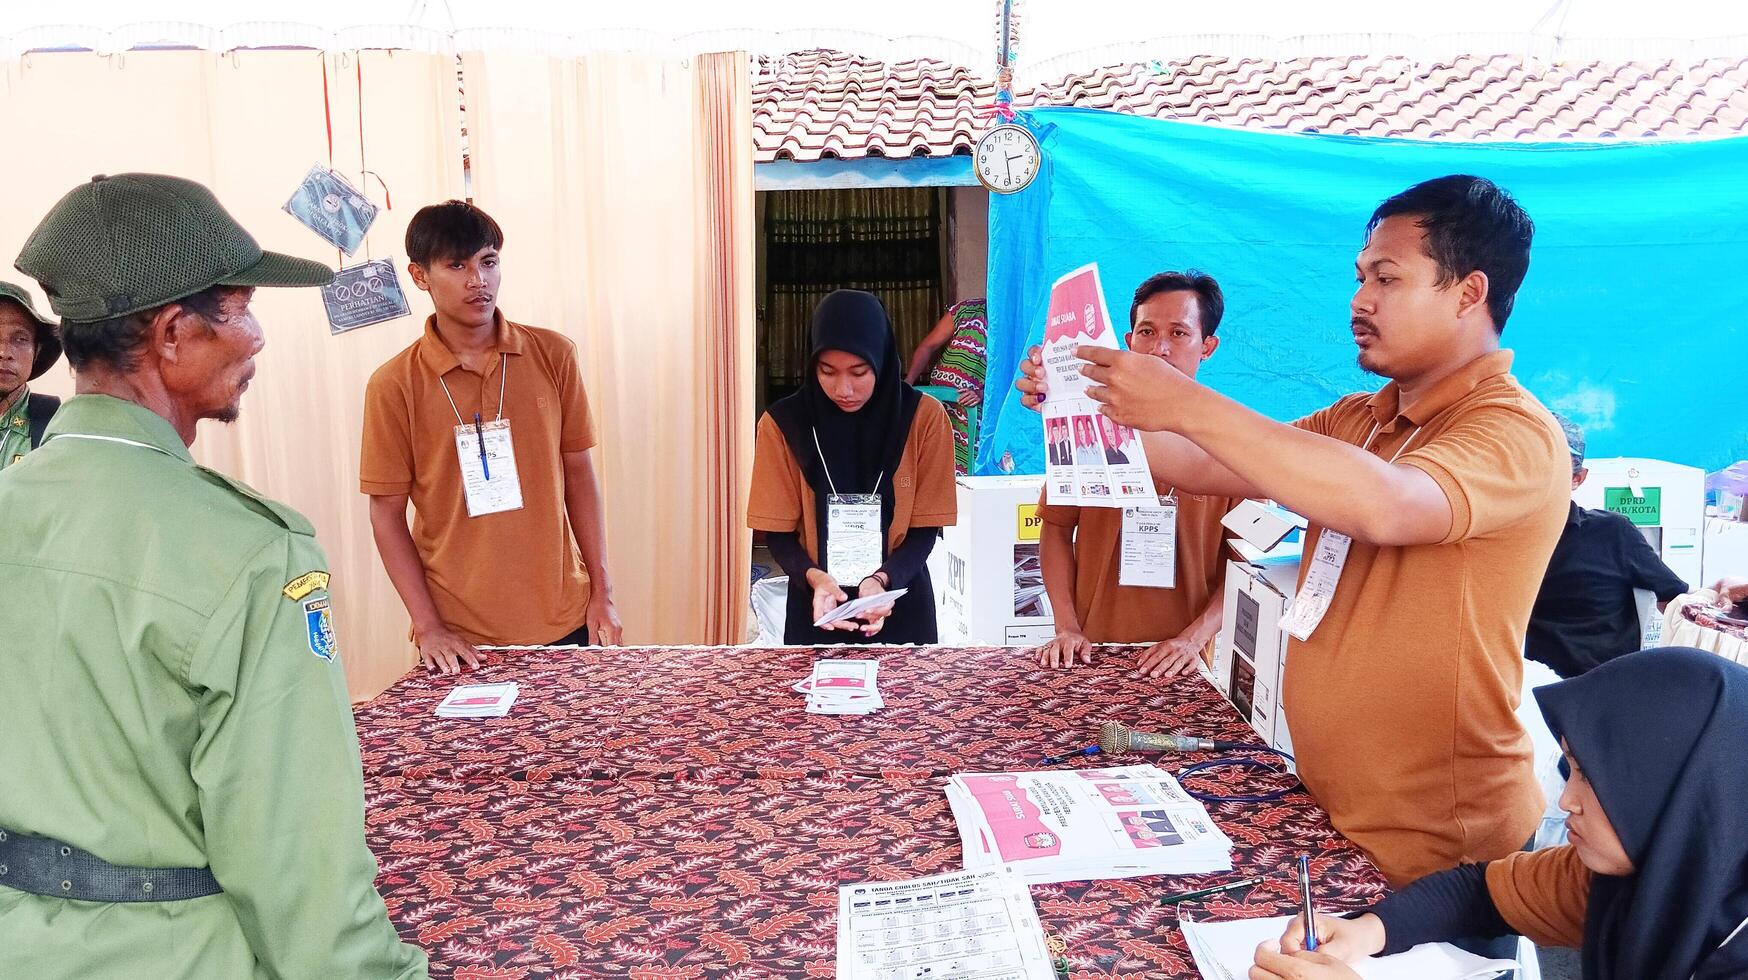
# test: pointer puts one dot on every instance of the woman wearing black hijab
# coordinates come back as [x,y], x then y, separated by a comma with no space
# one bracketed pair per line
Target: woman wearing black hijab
[853,481]
[1654,884]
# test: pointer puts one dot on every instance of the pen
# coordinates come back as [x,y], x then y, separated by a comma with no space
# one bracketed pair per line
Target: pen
[480,434]
[1305,899]
[1215,890]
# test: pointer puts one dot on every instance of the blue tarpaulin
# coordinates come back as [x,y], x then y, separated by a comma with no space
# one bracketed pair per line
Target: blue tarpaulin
[1633,320]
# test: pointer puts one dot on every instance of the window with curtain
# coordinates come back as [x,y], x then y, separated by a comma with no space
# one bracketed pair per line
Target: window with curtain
[884,240]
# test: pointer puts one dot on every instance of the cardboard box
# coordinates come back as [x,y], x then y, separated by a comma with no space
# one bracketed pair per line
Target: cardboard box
[1250,656]
[1666,501]
[994,582]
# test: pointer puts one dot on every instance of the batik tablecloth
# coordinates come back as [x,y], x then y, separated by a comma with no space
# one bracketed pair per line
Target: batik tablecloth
[675,813]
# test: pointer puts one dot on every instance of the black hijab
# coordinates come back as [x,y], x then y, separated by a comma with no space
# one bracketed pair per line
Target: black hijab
[1662,735]
[862,448]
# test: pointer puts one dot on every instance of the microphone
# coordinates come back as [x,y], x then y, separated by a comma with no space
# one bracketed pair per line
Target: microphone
[1117,740]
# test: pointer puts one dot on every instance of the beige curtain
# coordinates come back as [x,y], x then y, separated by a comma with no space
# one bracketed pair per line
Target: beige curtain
[624,186]
[249,125]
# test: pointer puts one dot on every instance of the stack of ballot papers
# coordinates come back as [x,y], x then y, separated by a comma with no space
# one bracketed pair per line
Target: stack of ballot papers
[1226,950]
[856,607]
[842,687]
[479,701]
[1083,824]
[972,925]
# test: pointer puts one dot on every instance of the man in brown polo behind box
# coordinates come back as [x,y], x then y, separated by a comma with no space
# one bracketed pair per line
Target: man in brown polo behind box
[483,425]
[1172,316]
[1434,505]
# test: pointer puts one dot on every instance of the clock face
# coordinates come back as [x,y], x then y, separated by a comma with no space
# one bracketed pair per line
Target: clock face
[1007,159]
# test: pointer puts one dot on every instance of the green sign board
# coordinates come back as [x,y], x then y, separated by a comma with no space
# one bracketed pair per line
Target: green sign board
[1646,511]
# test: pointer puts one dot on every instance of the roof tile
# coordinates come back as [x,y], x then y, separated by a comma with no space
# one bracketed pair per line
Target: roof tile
[812,105]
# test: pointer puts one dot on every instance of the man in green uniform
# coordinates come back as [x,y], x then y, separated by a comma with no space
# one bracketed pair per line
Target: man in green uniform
[180,788]
[29,346]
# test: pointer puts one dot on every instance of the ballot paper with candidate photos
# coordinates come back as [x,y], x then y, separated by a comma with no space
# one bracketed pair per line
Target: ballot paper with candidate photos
[1089,460]
[331,207]
[1082,824]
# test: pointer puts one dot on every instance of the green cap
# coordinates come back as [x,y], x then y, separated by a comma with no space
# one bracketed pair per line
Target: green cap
[131,242]
[48,337]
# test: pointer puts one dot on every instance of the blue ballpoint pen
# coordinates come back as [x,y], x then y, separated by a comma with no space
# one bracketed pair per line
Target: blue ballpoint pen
[1305,900]
[480,434]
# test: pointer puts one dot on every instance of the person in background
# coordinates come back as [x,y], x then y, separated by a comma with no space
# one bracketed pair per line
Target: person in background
[482,424]
[182,796]
[953,356]
[1433,504]
[1654,884]
[1173,316]
[853,481]
[29,346]
[1585,613]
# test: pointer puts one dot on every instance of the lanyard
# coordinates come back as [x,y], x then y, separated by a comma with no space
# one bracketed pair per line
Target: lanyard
[115,439]
[503,382]
[1399,449]
[828,470]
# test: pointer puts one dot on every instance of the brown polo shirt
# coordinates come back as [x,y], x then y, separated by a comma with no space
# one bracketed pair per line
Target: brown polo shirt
[1110,612]
[508,578]
[1402,702]
[1542,894]
[923,488]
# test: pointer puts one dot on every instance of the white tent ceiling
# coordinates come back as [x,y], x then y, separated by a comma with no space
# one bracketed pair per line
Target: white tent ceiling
[1057,35]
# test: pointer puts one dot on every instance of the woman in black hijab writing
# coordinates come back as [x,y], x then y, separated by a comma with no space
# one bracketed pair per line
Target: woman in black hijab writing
[853,481]
[1654,882]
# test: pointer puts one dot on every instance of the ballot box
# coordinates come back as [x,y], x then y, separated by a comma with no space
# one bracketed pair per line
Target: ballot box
[1665,501]
[1250,654]
[993,593]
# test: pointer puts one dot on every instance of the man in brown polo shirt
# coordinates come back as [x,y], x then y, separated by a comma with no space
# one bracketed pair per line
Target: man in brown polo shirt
[1434,505]
[484,426]
[1172,316]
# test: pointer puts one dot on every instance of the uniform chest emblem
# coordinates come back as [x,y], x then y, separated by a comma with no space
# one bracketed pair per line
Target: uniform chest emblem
[318,620]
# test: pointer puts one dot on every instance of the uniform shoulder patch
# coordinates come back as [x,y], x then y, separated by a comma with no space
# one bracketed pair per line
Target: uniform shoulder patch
[318,617]
[299,588]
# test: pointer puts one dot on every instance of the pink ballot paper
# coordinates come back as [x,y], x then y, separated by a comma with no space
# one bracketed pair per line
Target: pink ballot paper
[1089,460]
[1081,824]
[843,687]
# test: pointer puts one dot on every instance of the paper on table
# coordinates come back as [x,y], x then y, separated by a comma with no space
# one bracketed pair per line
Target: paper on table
[843,687]
[855,607]
[965,924]
[1226,950]
[1078,824]
[479,701]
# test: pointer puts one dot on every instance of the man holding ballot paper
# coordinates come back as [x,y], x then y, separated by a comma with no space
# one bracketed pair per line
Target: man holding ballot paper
[1433,504]
[1148,573]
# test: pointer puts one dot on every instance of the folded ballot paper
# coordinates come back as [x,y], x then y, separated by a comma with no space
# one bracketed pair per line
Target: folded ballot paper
[1082,824]
[842,687]
[856,607]
[1226,950]
[479,701]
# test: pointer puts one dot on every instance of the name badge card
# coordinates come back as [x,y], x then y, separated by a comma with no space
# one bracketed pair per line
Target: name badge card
[488,468]
[1307,608]
[1149,546]
[853,537]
